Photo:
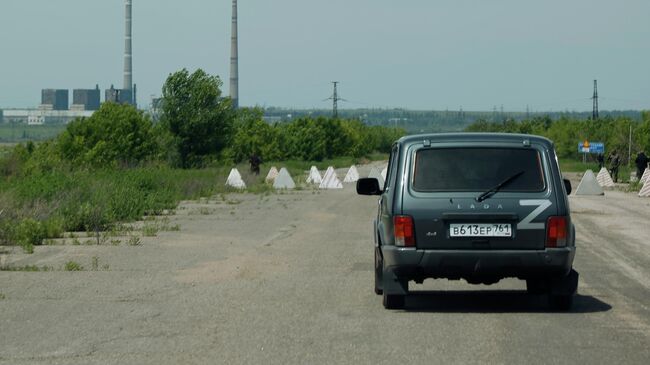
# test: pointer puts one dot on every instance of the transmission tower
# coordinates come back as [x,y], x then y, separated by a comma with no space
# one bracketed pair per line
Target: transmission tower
[335,100]
[594,114]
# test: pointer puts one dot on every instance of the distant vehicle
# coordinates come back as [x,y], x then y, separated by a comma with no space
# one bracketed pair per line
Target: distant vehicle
[473,206]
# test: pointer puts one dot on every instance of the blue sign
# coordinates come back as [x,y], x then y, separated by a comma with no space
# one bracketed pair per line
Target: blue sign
[591,147]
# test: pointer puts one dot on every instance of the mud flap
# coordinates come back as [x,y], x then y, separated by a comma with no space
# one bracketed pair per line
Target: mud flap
[567,285]
[393,284]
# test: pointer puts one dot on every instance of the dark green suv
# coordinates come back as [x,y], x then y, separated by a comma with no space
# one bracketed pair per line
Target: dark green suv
[473,206]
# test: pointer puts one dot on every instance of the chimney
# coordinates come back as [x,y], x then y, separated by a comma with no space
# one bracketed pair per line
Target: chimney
[234,59]
[128,56]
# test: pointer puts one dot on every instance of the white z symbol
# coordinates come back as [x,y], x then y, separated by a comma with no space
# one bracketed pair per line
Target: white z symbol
[541,206]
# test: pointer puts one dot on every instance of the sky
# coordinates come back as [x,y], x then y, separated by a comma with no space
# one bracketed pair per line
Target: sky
[415,54]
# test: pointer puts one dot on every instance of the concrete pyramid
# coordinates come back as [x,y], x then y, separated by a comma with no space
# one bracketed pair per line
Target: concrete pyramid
[645,190]
[284,180]
[314,176]
[604,179]
[235,180]
[589,185]
[330,180]
[384,172]
[645,176]
[377,175]
[273,173]
[352,175]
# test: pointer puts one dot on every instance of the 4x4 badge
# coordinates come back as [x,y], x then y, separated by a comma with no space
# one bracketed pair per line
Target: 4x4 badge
[541,206]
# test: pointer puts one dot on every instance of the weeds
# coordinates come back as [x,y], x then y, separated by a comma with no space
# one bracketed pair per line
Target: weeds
[94,264]
[73,266]
[149,230]
[44,205]
[26,268]
[2,296]
[134,241]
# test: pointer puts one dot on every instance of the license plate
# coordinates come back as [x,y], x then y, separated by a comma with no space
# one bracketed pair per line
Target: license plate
[480,230]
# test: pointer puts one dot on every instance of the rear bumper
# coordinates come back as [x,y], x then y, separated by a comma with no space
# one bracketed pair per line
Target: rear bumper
[484,266]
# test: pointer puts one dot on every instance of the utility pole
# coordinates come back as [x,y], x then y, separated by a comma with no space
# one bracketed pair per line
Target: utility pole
[335,101]
[594,114]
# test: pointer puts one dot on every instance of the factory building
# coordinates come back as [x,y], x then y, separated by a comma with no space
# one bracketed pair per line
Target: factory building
[120,96]
[86,99]
[43,116]
[54,99]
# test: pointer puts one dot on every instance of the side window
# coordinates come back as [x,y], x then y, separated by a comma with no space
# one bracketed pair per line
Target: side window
[392,164]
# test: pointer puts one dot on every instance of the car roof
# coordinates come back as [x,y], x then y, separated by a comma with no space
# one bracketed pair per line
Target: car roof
[476,137]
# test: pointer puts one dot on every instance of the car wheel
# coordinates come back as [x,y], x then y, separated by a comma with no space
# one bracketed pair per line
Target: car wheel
[392,301]
[379,272]
[536,287]
[560,302]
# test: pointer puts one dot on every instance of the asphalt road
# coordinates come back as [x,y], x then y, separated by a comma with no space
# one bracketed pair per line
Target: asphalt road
[288,278]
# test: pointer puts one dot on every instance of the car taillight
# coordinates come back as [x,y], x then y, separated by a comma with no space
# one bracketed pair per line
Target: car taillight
[556,232]
[404,232]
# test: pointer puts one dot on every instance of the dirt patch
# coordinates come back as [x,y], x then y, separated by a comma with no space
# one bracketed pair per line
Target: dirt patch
[244,267]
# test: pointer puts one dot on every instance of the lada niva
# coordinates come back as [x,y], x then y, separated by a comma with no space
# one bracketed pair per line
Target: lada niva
[474,206]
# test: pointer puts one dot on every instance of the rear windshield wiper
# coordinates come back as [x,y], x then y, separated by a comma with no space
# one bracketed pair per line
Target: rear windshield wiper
[494,190]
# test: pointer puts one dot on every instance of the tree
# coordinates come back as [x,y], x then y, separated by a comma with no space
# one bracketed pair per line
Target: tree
[196,115]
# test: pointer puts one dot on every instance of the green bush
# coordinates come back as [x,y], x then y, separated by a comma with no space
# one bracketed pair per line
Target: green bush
[29,233]
[115,135]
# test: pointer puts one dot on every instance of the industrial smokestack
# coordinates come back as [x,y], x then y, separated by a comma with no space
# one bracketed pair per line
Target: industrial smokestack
[128,56]
[234,59]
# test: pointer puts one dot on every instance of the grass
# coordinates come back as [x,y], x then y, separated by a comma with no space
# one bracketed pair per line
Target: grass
[150,230]
[134,241]
[73,266]
[41,206]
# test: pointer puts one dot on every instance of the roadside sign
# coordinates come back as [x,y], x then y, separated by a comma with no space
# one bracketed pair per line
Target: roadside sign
[591,147]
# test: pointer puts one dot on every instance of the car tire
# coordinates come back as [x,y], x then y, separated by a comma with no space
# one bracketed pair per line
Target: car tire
[560,302]
[379,273]
[394,301]
[536,287]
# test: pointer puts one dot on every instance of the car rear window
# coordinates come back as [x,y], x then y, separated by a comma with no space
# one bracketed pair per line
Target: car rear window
[477,169]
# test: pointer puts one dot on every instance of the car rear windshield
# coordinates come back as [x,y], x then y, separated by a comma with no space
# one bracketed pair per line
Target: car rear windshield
[477,169]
